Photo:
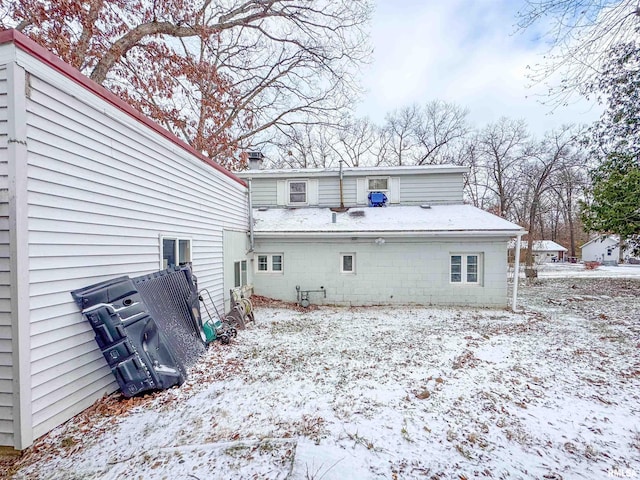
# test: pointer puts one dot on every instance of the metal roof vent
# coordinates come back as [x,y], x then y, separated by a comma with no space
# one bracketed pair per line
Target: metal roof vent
[255,160]
[356,213]
[425,205]
[262,209]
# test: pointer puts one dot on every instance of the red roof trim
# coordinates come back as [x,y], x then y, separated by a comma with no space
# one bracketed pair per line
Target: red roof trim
[26,44]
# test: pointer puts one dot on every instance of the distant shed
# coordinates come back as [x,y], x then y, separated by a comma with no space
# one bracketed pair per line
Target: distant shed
[89,189]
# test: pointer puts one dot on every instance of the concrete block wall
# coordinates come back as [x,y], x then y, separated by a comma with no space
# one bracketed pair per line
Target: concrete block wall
[400,271]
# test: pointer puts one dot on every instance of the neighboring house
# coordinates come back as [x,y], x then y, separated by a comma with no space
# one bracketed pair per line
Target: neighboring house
[91,190]
[603,249]
[425,247]
[544,251]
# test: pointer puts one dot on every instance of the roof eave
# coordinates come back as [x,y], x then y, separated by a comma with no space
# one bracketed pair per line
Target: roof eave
[29,46]
[359,171]
[390,233]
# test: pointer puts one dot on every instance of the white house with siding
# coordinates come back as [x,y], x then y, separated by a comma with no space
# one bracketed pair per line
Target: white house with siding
[89,190]
[425,247]
[604,249]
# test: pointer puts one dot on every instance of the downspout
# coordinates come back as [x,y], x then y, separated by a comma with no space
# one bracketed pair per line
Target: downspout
[341,195]
[250,206]
[516,273]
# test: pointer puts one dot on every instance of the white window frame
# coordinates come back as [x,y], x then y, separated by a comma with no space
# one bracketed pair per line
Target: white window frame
[384,190]
[269,269]
[353,263]
[176,253]
[306,192]
[240,274]
[464,268]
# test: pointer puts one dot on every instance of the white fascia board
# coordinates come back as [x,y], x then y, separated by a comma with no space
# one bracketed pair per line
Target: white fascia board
[394,234]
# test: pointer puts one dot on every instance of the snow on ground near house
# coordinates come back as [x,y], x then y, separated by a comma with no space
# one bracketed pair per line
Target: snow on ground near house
[389,393]
[577,270]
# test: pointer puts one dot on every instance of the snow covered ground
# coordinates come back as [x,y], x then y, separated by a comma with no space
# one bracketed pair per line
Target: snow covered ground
[577,270]
[388,393]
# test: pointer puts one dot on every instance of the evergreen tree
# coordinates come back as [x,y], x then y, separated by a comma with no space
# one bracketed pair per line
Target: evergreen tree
[615,203]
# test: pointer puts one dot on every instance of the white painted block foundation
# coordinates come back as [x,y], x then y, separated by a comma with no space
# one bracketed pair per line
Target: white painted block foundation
[400,271]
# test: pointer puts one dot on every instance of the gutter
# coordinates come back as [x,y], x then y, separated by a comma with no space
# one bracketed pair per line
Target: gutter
[390,233]
[353,171]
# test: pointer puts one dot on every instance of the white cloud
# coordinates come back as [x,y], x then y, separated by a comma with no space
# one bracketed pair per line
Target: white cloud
[464,51]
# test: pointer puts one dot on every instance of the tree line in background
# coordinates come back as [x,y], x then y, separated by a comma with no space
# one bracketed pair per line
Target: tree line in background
[229,75]
[220,74]
[535,182]
[595,51]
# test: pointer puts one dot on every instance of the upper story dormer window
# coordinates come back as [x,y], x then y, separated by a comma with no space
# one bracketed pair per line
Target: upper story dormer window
[378,184]
[297,192]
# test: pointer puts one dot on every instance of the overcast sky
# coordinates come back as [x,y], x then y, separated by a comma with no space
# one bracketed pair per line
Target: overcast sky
[462,51]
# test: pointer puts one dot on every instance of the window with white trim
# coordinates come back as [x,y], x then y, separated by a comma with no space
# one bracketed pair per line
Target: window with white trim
[348,263]
[378,184]
[297,192]
[240,273]
[466,268]
[174,251]
[269,263]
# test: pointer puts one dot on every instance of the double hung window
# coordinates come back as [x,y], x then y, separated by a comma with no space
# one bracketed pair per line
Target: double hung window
[269,263]
[465,268]
[297,192]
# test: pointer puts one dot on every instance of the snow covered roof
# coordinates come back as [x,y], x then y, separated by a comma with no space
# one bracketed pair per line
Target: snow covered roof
[548,246]
[351,171]
[602,238]
[542,246]
[458,220]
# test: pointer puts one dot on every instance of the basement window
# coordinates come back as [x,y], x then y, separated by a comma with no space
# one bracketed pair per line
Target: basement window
[297,192]
[269,263]
[174,251]
[347,263]
[466,268]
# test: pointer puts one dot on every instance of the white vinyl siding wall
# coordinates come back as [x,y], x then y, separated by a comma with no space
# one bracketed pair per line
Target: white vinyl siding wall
[264,192]
[102,189]
[6,363]
[236,246]
[416,189]
[329,191]
[435,189]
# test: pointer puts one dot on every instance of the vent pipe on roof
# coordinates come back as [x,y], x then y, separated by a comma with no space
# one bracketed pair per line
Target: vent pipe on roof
[333,217]
[255,160]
